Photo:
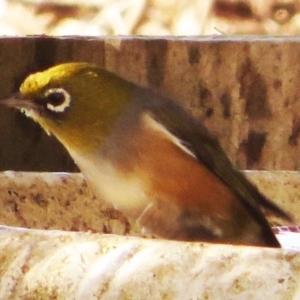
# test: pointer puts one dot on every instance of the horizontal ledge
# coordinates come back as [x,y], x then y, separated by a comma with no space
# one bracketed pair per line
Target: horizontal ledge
[81,265]
[85,265]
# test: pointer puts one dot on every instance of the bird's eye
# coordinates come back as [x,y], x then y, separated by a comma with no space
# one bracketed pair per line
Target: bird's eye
[57,100]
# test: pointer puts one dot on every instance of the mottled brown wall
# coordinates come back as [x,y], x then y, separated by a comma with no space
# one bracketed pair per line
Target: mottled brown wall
[246,90]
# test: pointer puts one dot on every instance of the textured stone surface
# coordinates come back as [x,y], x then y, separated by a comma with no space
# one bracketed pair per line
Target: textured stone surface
[64,201]
[52,264]
[63,265]
[244,89]
[282,187]
[56,201]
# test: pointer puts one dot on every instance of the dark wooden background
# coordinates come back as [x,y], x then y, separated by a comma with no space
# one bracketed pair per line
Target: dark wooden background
[246,91]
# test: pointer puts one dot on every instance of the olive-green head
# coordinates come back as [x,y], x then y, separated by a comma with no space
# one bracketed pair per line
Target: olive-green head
[78,102]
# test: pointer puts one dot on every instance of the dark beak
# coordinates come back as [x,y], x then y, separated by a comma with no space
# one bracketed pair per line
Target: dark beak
[18,101]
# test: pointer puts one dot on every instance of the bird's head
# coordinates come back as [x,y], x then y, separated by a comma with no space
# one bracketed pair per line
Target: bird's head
[78,102]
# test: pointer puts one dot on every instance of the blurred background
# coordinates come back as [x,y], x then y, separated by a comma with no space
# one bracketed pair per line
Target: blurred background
[149,17]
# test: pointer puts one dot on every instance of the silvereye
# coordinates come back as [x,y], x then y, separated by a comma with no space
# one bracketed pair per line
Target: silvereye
[145,154]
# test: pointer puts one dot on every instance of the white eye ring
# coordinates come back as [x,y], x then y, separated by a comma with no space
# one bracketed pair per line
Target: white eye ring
[62,103]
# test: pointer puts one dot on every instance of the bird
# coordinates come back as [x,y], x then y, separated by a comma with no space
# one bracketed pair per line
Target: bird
[148,156]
